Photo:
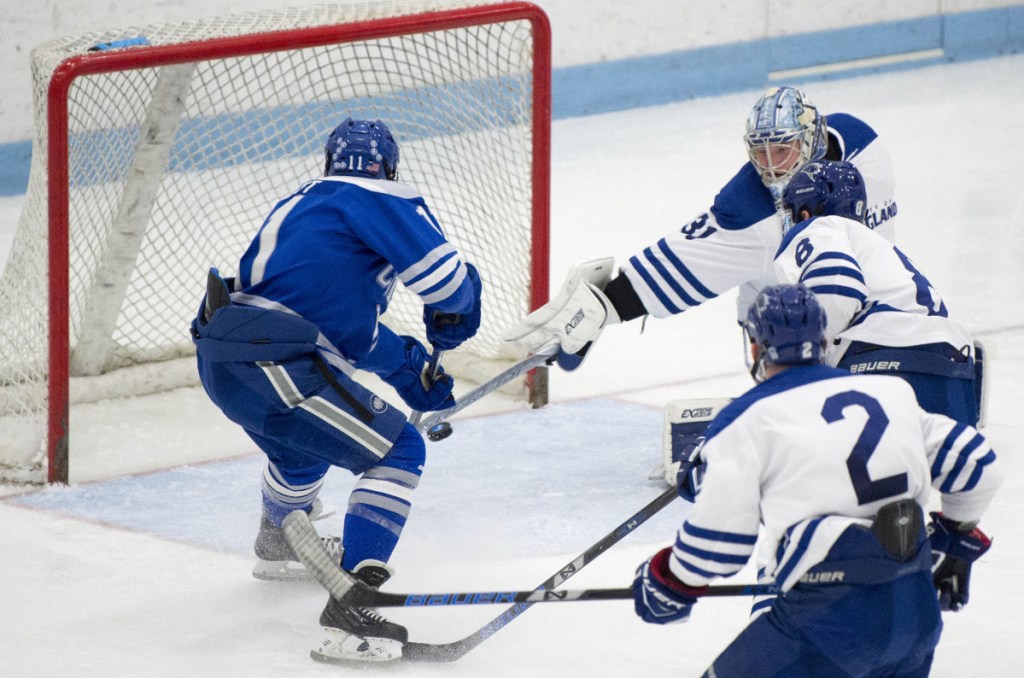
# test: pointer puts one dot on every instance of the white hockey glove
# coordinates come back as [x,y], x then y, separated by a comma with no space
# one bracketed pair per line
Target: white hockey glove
[575,316]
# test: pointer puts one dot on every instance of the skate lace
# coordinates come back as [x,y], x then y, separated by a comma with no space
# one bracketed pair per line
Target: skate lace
[372,614]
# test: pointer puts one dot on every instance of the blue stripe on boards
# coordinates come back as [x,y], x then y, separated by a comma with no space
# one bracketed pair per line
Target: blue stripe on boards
[291,131]
[623,84]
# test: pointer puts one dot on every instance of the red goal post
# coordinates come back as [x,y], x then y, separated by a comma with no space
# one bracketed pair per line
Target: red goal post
[139,203]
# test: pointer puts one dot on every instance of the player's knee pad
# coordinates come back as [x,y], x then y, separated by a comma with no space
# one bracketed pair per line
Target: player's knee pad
[409,453]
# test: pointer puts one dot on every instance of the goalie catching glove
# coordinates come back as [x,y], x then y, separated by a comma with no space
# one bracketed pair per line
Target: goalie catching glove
[575,316]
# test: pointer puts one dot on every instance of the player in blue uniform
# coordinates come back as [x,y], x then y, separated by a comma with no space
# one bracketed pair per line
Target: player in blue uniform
[278,346]
[734,242]
[835,469]
[883,313]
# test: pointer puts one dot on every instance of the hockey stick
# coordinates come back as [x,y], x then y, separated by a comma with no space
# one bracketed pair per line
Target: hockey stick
[542,356]
[310,550]
[432,368]
[361,594]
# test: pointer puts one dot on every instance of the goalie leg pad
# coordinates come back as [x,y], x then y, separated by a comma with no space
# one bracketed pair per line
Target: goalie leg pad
[685,423]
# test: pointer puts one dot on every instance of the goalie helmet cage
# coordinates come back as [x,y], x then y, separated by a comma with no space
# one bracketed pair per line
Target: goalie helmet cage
[164,150]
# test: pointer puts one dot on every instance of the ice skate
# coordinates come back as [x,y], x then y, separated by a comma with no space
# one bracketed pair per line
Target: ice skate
[275,560]
[359,634]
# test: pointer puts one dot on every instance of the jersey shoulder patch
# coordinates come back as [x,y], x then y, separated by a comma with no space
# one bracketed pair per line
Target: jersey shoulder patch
[853,133]
[743,201]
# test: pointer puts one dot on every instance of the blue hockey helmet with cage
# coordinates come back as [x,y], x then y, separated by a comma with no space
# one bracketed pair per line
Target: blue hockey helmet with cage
[827,187]
[787,325]
[362,148]
[781,116]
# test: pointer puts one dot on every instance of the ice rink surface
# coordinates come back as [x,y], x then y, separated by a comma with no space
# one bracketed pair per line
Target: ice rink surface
[141,566]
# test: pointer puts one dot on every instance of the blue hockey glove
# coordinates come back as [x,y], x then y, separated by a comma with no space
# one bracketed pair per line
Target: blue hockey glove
[690,475]
[658,596]
[572,361]
[955,547]
[447,331]
[411,380]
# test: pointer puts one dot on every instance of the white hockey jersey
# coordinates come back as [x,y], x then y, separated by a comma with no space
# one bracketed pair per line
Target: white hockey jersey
[812,451]
[869,289]
[735,241]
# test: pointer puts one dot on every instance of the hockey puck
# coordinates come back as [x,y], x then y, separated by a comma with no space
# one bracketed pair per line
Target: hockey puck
[439,431]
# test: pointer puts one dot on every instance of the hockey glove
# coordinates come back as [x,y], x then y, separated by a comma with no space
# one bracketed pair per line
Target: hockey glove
[447,331]
[658,596]
[690,475]
[575,316]
[412,380]
[955,547]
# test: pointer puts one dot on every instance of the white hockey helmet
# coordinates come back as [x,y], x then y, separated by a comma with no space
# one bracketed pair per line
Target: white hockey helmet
[785,131]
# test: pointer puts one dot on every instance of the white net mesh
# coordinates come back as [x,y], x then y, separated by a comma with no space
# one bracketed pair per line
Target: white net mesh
[172,170]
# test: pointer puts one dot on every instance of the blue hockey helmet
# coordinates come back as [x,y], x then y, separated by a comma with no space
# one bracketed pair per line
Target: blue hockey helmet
[827,187]
[784,132]
[362,148]
[786,324]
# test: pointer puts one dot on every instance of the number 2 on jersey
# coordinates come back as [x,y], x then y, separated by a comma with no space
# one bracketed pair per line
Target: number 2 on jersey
[867,490]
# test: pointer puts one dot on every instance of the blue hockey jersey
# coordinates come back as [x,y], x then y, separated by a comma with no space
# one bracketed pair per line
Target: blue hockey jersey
[333,252]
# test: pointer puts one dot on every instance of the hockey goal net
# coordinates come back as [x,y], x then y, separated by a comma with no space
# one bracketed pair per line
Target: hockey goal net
[159,150]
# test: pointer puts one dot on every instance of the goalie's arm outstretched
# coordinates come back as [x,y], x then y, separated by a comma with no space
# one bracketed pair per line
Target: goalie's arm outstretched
[588,301]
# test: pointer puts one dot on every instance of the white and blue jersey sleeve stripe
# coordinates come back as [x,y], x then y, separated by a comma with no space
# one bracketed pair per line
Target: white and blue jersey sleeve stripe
[683,269]
[437,278]
[669,279]
[835,273]
[705,554]
[962,467]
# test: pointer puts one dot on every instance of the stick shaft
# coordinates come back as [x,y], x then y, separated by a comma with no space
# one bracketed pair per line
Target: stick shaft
[447,652]
[432,369]
[363,595]
[493,384]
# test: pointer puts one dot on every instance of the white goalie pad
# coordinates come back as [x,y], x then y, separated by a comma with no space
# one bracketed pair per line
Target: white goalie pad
[575,316]
[685,423]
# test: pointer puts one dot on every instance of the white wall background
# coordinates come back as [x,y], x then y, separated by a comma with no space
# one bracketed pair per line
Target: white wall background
[585,31]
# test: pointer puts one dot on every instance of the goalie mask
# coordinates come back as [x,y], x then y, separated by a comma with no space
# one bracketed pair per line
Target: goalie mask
[826,187]
[786,326]
[784,133]
[361,148]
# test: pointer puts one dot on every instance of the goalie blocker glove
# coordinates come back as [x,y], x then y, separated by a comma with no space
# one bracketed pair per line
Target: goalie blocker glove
[955,547]
[575,316]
